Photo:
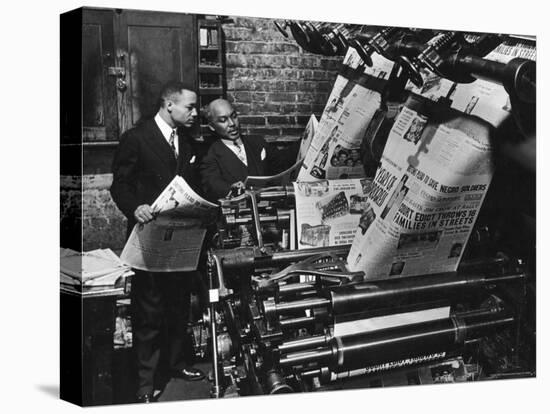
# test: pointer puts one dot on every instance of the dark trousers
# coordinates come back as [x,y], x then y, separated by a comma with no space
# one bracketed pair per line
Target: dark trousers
[160,316]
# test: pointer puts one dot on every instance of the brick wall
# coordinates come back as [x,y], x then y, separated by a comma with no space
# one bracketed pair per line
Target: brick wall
[102,224]
[70,222]
[274,85]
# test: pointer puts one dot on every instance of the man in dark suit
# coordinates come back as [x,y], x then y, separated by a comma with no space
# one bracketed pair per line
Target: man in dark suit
[232,157]
[148,157]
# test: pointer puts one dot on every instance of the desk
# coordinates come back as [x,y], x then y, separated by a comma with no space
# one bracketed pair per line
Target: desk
[87,323]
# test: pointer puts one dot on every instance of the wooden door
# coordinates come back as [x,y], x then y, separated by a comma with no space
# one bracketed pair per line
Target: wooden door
[127,55]
[154,48]
[99,119]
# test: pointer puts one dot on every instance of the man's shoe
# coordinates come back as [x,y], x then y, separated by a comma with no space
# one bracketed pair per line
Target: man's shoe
[146,398]
[189,374]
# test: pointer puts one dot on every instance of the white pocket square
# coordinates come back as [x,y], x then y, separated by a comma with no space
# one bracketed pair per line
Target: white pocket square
[192,160]
[262,155]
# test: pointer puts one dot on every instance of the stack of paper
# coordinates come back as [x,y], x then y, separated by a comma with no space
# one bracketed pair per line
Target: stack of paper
[101,267]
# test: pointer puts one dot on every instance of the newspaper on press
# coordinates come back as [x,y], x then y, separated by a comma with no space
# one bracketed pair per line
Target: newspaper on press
[483,98]
[434,174]
[334,151]
[328,211]
[282,179]
[307,137]
[289,175]
[173,240]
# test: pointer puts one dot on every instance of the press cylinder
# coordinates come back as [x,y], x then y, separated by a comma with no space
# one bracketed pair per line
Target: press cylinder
[322,356]
[272,310]
[295,288]
[276,384]
[296,323]
[517,72]
[264,219]
[304,343]
[365,296]
[361,297]
[353,352]
[282,258]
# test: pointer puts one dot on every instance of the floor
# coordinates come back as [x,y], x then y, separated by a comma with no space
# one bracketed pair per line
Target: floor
[125,382]
[179,389]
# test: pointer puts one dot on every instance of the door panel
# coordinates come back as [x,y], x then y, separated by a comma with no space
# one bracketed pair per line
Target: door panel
[127,55]
[99,116]
[157,47]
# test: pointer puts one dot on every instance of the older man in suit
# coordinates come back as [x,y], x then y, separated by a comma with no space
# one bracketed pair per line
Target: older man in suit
[148,157]
[233,156]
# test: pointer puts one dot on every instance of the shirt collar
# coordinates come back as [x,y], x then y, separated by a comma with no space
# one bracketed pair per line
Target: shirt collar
[164,127]
[230,142]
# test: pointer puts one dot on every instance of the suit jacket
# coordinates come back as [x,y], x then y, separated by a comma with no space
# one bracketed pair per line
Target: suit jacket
[144,164]
[221,167]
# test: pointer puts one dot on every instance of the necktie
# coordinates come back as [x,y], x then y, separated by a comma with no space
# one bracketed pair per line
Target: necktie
[240,152]
[172,144]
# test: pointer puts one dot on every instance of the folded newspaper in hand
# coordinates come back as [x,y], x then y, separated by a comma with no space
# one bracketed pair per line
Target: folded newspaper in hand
[173,240]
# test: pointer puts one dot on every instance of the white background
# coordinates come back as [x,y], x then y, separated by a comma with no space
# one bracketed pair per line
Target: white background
[29,358]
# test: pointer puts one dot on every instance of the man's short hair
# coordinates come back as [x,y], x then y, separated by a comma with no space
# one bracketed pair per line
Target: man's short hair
[170,91]
[208,109]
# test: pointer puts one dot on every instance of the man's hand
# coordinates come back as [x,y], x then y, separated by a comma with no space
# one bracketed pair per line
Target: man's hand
[237,188]
[237,185]
[144,213]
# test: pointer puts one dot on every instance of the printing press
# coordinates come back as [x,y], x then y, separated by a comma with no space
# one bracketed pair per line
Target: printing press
[251,217]
[282,320]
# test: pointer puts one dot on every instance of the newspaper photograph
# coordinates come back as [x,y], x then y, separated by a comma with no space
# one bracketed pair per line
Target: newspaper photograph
[426,194]
[334,152]
[328,211]
[172,241]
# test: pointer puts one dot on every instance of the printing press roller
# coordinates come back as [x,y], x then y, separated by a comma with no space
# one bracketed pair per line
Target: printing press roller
[371,348]
[365,296]
[250,258]
[278,216]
